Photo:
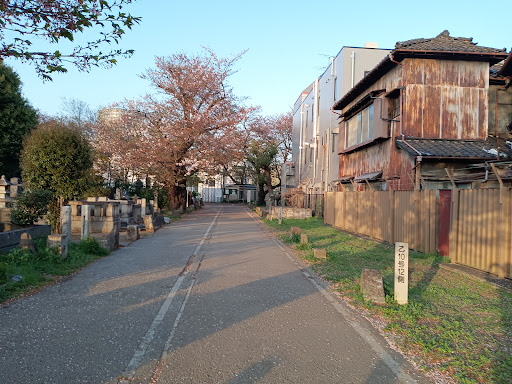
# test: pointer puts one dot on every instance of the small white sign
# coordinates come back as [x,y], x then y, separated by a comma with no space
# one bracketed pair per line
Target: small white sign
[401,272]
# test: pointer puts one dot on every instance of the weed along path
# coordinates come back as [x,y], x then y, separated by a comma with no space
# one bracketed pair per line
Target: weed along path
[212,298]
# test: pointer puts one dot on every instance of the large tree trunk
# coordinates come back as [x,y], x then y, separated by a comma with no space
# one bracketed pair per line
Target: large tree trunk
[268,181]
[261,193]
[177,197]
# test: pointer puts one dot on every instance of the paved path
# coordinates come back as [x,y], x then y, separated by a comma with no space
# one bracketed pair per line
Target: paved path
[213,298]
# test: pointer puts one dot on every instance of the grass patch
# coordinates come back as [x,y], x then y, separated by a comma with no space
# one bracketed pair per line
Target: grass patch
[23,271]
[453,324]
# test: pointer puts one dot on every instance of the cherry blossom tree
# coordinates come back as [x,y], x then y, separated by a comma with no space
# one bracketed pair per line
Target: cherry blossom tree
[179,130]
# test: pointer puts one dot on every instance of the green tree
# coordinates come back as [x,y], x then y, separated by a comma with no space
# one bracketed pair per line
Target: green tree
[96,23]
[262,155]
[17,118]
[57,158]
[30,206]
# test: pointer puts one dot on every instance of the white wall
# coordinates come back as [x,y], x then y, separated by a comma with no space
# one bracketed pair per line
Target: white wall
[320,162]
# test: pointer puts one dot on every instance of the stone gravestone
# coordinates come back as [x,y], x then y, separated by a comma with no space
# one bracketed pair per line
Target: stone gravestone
[118,194]
[148,223]
[26,241]
[60,242]
[303,239]
[372,286]
[132,232]
[156,200]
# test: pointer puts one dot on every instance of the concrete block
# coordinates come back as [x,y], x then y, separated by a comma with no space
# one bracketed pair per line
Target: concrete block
[319,253]
[372,286]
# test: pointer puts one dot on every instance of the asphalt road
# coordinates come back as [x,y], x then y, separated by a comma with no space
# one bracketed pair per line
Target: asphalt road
[213,298]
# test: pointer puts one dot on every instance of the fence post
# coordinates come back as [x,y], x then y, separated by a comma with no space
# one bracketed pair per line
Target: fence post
[454,222]
[501,227]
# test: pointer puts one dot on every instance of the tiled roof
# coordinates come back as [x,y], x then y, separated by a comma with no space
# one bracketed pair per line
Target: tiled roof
[445,42]
[495,69]
[466,149]
[506,69]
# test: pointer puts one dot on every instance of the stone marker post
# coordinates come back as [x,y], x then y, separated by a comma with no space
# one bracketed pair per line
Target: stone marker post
[401,272]
[86,221]
[65,221]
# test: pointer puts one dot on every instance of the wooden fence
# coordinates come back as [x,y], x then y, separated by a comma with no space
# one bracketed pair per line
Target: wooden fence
[480,224]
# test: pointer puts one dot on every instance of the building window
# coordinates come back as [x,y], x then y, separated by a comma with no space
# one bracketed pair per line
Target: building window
[365,73]
[394,107]
[360,127]
[211,183]
[394,101]
[335,88]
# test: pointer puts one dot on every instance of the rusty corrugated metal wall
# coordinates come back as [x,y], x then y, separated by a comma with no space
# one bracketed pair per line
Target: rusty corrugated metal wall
[445,99]
[441,99]
[408,216]
[481,230]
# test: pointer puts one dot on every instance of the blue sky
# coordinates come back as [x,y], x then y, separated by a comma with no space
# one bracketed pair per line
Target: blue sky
[288,42]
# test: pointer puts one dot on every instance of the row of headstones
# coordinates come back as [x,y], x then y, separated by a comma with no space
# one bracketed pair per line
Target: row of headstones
[60,241]
[9,190]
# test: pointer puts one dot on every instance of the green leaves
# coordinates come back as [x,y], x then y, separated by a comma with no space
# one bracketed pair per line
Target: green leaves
[63,19]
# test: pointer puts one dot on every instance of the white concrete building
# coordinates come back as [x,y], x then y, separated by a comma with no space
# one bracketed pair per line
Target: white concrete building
[315,126]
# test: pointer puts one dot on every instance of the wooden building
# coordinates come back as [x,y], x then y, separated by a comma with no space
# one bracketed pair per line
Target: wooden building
[423,109]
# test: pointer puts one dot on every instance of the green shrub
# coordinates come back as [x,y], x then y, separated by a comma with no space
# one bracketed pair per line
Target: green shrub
[4,274]
[30,206]
[92,247]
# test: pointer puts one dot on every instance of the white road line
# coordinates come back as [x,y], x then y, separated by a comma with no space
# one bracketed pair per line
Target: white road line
[377,348]
[135,361]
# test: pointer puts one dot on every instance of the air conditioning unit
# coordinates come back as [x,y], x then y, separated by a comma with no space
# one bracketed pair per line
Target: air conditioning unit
[336,130]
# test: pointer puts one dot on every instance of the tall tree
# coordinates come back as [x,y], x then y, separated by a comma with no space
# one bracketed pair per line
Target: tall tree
[77,113]
[59,159]
[17,118]
[262,156]
[24,22]
[172,134]
[268,151]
